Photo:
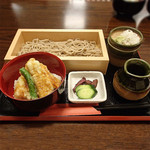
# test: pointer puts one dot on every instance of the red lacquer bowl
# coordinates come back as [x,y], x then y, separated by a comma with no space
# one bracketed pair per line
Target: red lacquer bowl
[10,72]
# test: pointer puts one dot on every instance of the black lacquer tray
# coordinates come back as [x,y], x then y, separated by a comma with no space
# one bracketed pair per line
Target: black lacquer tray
[113,106]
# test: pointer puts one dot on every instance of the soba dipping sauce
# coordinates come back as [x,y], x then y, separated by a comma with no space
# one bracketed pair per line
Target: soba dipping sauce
[136,69]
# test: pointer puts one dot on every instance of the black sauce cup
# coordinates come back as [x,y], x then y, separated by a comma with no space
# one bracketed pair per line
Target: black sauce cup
[128,8]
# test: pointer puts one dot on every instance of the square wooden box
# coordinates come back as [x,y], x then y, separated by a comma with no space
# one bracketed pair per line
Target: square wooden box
[73,63]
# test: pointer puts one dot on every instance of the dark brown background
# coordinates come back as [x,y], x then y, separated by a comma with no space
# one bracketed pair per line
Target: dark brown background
[69,14]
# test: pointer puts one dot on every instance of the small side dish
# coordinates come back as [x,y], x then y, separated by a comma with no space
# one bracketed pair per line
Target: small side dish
[35,81]
[86,87]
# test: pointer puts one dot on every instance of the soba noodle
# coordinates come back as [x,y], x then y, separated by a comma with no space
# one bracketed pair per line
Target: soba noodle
[70,47]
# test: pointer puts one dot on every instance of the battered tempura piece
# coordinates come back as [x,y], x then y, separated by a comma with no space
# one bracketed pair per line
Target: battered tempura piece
[44,81]
[21,90]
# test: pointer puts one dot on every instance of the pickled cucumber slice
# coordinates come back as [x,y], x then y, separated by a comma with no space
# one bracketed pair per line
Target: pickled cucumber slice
[86,91]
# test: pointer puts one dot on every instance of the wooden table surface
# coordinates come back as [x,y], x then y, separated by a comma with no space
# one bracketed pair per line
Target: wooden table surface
[69,14]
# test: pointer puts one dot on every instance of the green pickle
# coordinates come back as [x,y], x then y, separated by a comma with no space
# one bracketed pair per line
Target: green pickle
[86,91]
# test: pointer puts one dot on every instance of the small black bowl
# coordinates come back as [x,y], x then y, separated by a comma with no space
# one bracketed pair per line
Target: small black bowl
[148,6]
[128,8]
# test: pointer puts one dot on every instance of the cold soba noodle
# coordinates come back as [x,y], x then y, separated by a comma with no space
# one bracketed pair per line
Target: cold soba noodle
[70,47]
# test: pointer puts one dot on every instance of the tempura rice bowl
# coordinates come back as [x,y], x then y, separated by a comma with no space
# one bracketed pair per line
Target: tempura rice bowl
[10,72]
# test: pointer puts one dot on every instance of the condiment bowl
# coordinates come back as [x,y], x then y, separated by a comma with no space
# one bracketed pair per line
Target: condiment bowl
[10,72]
[117,31]
[118,52]
[75,76]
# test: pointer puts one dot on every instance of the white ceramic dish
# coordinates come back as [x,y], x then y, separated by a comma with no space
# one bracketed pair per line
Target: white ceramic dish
[75,76]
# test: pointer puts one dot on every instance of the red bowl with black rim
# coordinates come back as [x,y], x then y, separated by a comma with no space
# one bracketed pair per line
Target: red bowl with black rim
[10,72]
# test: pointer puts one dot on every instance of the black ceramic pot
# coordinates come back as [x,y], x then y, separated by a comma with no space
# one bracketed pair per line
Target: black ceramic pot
[132,82]
[148,6]
[127,7]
